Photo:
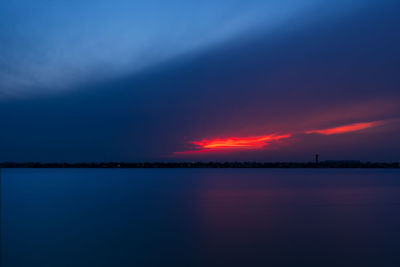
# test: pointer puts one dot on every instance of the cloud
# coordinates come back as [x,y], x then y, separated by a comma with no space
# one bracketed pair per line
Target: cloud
[232,144]
[354,127]
[59,46]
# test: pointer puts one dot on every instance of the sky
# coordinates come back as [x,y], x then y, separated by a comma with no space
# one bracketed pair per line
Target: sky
[182,80]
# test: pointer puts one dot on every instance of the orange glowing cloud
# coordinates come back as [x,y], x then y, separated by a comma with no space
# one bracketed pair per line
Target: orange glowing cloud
[346,128]
[222,145]
[233,143]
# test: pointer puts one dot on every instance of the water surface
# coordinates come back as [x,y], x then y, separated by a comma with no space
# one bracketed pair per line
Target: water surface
[201,217]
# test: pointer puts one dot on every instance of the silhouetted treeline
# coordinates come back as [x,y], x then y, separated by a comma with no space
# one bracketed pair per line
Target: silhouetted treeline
[324,164]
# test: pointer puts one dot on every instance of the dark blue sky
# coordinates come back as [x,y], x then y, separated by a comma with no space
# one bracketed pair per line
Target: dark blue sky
[141,80]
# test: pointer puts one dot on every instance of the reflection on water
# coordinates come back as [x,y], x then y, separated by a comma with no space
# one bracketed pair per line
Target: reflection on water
[201,217]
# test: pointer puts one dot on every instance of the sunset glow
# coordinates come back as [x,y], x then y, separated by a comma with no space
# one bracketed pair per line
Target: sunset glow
[231,144]
[346,128]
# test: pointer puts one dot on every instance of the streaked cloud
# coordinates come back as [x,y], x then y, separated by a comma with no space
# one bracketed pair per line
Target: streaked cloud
[232,144]
[354,127]
[50,46]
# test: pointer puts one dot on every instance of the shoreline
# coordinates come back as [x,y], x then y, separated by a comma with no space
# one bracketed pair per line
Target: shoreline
[231,165]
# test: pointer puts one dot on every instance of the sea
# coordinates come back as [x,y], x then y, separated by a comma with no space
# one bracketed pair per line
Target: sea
[200,217]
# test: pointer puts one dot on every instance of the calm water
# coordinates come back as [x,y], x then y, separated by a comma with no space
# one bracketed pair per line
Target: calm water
[200,217]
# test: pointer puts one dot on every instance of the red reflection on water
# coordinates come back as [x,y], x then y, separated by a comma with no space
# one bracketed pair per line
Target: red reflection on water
[236,213]
[346,128]
[243,220]
[245,211]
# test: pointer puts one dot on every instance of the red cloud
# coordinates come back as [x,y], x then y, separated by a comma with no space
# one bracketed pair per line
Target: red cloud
[346,128]
[235,142]
[223,145]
